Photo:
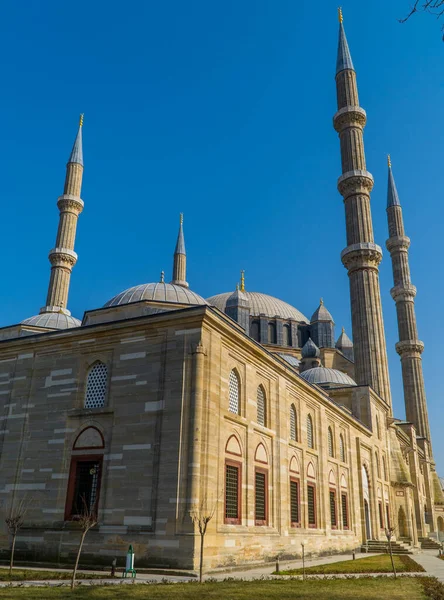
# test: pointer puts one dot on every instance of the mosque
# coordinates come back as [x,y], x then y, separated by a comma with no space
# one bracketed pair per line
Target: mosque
[162,405]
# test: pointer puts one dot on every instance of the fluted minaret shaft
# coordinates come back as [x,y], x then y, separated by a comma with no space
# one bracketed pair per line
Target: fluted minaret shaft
[361,256]
[403,293]
[180,259]
[63,257]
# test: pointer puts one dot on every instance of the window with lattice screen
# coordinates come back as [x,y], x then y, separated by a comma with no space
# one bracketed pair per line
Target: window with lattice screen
[234,387]
[311,505]
[341,448]
[330,442]
[261,406]
[260,494]
[293,430]
[294,503]
[310,440]
[96,386]
[333,518]
[232,497]
[344,511]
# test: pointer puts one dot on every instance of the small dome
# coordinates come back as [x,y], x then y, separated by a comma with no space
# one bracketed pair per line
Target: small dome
[321,314]
[261,304]
[292,360]
[322,375]
[310,350]
[53,320]
[161,292]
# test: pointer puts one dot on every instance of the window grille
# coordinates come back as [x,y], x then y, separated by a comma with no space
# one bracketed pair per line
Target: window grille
[87,477]
[311,505]
[341,448]
[293,432]
[344,511]
[234,393]
[333,508]
[96,386]
[294,501]
[381,516]
[260,513]
[310,443]
[330,442]
[261,409]
[231,492]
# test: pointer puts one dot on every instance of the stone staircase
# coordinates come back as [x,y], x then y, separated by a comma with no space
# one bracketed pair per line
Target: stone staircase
[382,546]
[430,544]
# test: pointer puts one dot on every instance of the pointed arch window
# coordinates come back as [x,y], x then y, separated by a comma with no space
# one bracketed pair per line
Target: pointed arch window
[261,406]
[234,389]
[330,443]
[96,386]
[254,330]
[293,424]
[310,438]
[271,333]
[287,335]
[341,448]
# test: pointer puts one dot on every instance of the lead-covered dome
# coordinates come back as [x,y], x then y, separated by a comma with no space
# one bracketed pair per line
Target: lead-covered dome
[323,376]
[261,304]
[53,320]
[160,292]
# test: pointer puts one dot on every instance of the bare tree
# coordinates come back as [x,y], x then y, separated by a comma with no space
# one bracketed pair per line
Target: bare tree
[201,516]
[433,7]
[87,520]
[14,523]
[389,532]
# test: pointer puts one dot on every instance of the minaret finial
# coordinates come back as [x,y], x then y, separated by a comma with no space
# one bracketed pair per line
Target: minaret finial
[242,285]
[321,301]
[340,17]
[389,161]
[181,218]
[162,277]
[343,330]
[81,119]
[237,287]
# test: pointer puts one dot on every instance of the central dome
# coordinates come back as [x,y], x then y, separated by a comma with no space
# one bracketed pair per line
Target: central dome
[262,304]
[161,292]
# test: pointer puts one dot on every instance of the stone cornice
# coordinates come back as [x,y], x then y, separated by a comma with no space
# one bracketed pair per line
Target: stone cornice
[355,182]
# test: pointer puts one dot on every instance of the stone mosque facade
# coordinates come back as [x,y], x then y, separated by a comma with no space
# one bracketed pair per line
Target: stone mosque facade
[161,405]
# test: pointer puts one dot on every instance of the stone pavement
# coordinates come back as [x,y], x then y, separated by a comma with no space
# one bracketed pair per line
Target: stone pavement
[431,563]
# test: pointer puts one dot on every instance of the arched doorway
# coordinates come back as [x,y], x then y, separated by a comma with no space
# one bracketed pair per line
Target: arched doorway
[402,523]
[367,512]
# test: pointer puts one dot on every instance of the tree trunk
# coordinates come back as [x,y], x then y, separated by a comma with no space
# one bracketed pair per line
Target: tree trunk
[73,580]
[391,558]
[11,560]
[202,538]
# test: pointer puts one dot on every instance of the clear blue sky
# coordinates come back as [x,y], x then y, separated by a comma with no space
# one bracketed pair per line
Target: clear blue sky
[222,110]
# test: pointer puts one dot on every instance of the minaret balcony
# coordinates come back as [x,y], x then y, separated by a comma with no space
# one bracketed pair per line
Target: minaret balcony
[70,203]
[409,348]
[365,255]
[405,292]
[349,116]
[398,242]
[355,182]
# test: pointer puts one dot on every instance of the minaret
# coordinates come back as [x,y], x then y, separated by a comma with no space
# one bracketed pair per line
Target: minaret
[362,256]
[403,293]
[180,259]
[63,257]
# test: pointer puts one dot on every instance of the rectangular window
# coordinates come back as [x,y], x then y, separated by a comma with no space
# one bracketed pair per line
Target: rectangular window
[381,515]
[232,493]
[333,518]
[344,511]
[83,486]
[387,514]
[294,503]
[311,502]
[261,500]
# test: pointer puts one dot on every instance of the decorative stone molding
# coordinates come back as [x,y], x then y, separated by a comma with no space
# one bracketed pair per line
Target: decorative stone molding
[398,242]
[355,182]
[361,256]
[55,309]
[349,115]
[406,292]
[62,257]
[70,203]
[409,348]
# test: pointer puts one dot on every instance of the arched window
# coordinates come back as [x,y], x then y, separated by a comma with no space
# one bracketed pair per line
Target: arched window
[287,335]
[261,406]
[378,466]
[234,387]
[384,468]
[271,333]
[341,448]
[330,442]
[310,440]
[96,386]
[254,330]
[293,422]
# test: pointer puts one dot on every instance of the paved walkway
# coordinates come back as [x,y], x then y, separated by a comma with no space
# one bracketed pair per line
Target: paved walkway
[431,563]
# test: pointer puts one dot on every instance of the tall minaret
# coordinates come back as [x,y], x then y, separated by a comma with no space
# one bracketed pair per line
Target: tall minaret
[180,259]
[63,257]
[403,293]
[361,256]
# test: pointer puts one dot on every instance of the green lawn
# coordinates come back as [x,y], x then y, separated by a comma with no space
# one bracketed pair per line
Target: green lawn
[404,588]
[371,564]
[29,574]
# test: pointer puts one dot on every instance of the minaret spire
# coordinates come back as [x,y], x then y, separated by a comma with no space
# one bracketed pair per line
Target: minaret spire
[362,256]
[62,257]
[403,293]
[180,259]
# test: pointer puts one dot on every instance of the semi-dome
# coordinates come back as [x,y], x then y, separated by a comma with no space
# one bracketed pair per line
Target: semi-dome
[323,376]
[161,292]
[261,304]
[53,320]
